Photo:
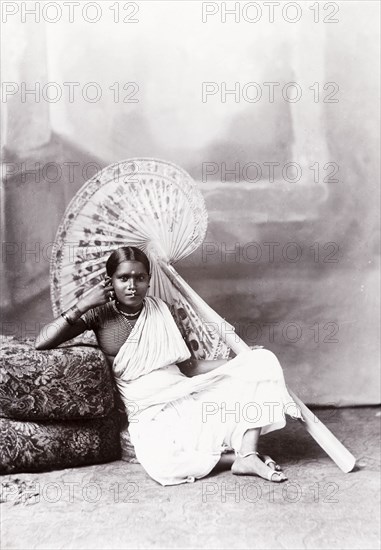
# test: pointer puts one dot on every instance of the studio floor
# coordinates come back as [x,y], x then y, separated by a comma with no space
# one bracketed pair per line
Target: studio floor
[117,506]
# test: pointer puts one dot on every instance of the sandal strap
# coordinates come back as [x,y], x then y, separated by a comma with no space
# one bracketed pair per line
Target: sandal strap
[267,459]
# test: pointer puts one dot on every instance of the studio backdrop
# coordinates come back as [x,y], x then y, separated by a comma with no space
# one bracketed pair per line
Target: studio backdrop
[278,125]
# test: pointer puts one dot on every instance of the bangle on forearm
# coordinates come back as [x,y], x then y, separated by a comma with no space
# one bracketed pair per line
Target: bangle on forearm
[71,315]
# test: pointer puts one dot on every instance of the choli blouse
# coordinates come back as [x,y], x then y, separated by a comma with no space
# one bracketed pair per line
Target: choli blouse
[111,328]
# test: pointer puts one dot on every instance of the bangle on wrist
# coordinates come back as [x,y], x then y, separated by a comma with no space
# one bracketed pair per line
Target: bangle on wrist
[71,315]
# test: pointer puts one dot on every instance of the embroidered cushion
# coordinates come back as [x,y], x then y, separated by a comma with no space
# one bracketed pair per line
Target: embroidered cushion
[70,382]
[38,446]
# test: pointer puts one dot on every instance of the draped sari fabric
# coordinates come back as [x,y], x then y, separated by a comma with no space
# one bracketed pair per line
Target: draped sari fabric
[155,342]
[145,368]
[179,425]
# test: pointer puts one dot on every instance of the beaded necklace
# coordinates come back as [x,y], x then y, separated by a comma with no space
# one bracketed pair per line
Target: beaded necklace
[128,316]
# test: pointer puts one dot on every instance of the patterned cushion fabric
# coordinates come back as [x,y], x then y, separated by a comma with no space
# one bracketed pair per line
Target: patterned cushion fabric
[70,382]
[38,446]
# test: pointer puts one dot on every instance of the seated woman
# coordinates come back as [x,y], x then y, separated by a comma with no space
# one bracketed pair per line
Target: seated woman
[182,413]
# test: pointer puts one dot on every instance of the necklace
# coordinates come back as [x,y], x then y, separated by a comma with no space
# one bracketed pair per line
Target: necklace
[129,315]
[130,326]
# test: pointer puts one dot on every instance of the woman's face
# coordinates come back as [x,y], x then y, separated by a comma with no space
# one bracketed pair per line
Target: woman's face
[130,282]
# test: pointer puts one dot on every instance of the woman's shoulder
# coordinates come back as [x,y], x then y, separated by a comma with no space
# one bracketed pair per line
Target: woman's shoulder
[97,316]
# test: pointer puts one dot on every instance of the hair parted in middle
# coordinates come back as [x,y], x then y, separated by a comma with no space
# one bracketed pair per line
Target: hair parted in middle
[126,253]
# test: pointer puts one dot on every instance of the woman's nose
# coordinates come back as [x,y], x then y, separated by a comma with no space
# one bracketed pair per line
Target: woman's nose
[131,283]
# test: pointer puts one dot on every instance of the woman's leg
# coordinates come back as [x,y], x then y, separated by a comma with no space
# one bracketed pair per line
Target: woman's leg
[249,462]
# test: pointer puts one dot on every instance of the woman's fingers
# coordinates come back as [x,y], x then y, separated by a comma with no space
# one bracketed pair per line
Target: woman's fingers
[106,286]
[108,289]
[110,294]
[103,292]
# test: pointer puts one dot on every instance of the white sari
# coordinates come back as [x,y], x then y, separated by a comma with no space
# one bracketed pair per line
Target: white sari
[178,425]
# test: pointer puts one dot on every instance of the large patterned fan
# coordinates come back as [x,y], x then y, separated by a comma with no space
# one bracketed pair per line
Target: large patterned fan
[147,203]
[155,206]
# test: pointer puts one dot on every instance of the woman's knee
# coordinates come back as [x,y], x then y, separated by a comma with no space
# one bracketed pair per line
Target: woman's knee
[268,361]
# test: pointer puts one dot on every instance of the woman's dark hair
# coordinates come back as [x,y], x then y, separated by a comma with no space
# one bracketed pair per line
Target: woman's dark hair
[126,253]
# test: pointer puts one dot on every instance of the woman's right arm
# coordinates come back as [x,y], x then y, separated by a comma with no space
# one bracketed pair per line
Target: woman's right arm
[66,327]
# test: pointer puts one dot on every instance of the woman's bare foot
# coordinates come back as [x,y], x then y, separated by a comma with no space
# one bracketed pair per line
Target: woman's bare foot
[252,465]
